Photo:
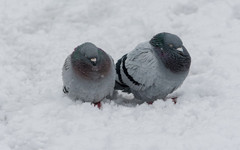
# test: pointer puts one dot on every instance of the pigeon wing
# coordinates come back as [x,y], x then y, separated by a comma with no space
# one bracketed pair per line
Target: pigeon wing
[141,65]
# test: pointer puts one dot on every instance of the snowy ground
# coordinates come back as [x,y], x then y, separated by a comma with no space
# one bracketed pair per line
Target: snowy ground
[36,37]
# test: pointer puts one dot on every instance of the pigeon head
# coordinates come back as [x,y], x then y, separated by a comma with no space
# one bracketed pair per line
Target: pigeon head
[90,62]
[172,53]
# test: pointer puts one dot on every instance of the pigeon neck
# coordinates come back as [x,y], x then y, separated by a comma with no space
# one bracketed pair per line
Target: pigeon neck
[86,70]
[175,63]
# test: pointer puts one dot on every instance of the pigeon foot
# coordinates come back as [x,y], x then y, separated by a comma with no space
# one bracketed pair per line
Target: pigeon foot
[150,103]
[174,99]
[98,104]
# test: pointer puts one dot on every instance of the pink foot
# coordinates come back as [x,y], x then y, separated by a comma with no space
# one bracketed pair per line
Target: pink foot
[150,103]
[174,99]
[98,104]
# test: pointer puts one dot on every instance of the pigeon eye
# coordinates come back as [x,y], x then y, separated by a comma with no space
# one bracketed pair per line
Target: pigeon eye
[171,45]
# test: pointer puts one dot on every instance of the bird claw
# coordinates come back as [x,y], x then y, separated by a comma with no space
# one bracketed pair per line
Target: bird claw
[149,103]
[174,99]
[98,104]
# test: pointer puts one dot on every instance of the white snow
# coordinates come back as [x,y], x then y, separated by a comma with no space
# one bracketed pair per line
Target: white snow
[37,36]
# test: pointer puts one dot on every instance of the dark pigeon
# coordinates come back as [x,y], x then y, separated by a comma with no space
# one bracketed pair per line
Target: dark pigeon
[153,69]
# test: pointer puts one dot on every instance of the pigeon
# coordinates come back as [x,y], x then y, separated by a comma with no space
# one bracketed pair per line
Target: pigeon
[88,74]
[154,68]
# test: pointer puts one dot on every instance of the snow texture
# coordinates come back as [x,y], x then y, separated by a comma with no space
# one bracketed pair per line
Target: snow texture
[37,36]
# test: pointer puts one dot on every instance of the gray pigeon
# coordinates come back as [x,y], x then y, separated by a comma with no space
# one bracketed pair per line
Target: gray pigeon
[88,74]
[153,69]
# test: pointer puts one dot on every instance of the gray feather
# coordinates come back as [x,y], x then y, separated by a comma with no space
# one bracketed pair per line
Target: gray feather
[155,80]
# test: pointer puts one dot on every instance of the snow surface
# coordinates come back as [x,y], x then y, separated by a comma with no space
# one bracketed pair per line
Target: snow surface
[37,36]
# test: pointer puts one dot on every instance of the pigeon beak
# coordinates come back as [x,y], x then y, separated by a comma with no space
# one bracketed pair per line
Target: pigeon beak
[93,61]
[180,49]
